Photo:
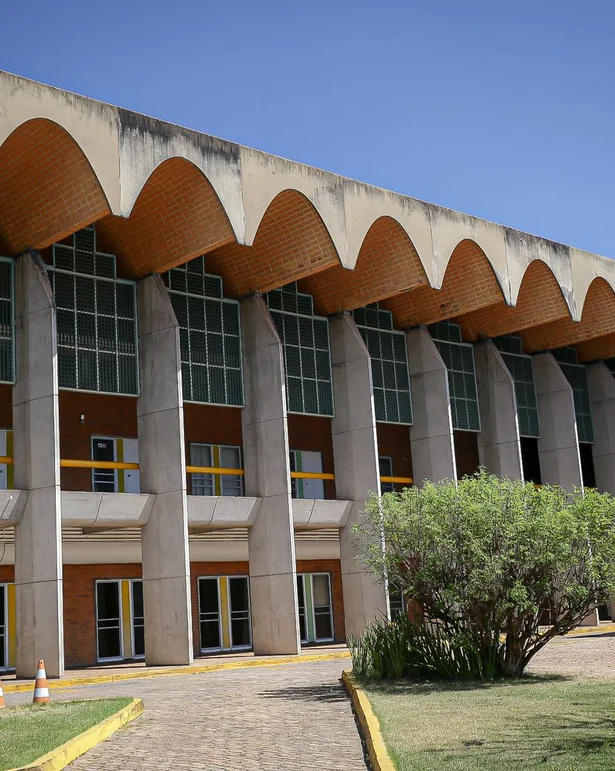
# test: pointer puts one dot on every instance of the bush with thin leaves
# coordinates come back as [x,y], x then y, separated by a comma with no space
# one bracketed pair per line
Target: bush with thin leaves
[498,567]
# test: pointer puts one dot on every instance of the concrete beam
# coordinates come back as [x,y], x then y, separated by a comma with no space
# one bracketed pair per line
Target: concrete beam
[499,443]
[602,396]
[431,436]
[558,446]
[36,452]
[271,543]
[355,452]
[162,467]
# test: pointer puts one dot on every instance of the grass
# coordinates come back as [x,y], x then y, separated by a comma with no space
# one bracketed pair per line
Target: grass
[549,723]
[27,732]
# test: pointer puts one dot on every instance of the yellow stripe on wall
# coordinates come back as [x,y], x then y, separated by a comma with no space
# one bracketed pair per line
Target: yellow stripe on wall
[10,474]
[12,623]
[226,631]
[126,620]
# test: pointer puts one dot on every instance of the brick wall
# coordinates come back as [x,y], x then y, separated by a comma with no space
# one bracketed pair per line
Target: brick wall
[394,441]
[466,452]
[7,573]
[313,433]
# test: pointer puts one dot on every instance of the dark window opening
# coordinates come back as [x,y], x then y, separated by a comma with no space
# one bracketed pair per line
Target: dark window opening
[530,460]
[587,465]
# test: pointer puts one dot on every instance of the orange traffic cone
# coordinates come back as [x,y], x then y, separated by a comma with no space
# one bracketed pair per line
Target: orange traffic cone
[2,704]
[41,689]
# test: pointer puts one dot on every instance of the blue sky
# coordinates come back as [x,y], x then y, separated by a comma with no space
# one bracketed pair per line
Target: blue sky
[505,110]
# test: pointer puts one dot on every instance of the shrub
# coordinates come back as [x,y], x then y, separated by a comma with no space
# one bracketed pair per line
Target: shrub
[487,559]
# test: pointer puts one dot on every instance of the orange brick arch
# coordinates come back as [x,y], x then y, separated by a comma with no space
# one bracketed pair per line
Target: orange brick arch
[48,188]
[469,283]
[540,300]
[597,320]
[291,242]
[387,264]
[176,217]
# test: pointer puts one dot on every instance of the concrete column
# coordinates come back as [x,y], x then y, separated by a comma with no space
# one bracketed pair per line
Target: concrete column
[431,436]
[558,446]
[271,541]
[499,444]
[602,395]
[355,452]
[164,539]
[36,451]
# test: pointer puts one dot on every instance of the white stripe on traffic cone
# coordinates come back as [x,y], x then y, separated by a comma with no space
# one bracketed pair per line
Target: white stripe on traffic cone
[41,689]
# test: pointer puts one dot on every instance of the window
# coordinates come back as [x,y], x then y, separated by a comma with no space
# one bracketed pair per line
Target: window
[7,321]
[111,450]
[96,319]
[119,620]
[224,613]
[304,460]
[386,470]
[210,336]
[387,350]
[458,358]
[307,357]
[216,456]
[576,375]
[4,637]
[397,602]
[8,637]
[315,607]
[521,368]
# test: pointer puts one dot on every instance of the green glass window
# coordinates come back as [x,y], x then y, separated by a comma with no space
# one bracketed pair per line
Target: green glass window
[7,321]
[387,350]
[307,356]
[96,319]
[576,375]
[458,358]
[210,335]
[521,368]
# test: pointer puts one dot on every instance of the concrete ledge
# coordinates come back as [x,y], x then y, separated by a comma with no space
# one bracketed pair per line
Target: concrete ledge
[376,749]
[313,514]
[79,745]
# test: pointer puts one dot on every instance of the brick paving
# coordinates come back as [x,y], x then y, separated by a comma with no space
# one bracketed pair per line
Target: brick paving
[285,718]
[587,655]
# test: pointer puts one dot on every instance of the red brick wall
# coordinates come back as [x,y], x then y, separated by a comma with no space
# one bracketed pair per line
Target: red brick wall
[207,424]
[104,416]
[466,452]
[7,573]
[394,440]
[307,432]
[6,406]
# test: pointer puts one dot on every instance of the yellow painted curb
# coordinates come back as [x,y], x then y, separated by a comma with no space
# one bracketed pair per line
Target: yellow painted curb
[70,682]
[74,748]
[376,749]
[591,630]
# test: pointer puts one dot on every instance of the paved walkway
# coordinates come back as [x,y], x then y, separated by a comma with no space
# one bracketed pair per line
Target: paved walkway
[588,655]
[292,717]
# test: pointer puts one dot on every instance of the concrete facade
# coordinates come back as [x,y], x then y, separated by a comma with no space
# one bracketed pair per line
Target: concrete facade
[271,545]
[499,444]
[558,446]
[355,448]
[164,538]
[602,394]
[431,436]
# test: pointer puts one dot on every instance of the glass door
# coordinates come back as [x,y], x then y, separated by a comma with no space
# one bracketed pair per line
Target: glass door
[239,610]
[3,628]
[209,614]
[108,621]
[323,615]
[103,479]
[302,609]
[138,623]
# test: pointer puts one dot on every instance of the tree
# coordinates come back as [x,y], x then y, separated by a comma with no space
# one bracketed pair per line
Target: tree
[500,563]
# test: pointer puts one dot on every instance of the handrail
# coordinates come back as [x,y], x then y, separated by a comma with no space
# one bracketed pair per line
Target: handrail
[239,472]
[310,475]
[103,464]
[398,480]
[6,459]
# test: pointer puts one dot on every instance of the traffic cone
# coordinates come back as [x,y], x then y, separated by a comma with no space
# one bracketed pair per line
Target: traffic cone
[41,689]
[2,704]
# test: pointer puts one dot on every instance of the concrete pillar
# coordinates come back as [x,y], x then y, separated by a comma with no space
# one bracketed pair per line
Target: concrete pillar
[602,396]
[355,452]
[499,443]
[271,542]
[164,539]
[558,446]
[36,451]
[431,435]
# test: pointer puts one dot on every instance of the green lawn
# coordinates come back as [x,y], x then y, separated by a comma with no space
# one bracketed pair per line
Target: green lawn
[27,731]
[546,723]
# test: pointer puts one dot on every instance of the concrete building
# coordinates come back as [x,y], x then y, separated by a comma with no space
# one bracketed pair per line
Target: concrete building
[209,356]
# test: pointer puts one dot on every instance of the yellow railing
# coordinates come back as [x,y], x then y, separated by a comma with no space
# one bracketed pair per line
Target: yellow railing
[110,464]
[310,475]
[398,480]
[239,472]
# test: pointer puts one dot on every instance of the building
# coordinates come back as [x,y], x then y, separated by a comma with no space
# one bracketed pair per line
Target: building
[209,356]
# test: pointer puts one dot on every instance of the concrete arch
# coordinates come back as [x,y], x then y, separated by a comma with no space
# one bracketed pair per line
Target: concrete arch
[539,300]
[597,320]
[469,283]
[292,242]
[388,263]
[48,188]
[176,217]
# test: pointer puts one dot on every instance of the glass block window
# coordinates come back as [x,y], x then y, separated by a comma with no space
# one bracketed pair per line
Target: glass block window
[96,319]
[307,356]
[7,322]
[576,375]
[521,368]
[459,360]
[387,350]
[210,336]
